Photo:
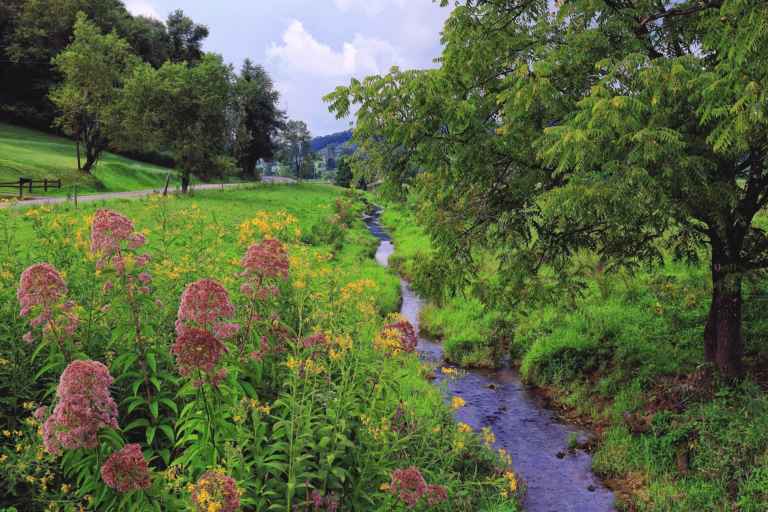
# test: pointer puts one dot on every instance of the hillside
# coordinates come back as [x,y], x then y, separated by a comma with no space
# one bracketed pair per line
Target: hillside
[32,154]
[339,138]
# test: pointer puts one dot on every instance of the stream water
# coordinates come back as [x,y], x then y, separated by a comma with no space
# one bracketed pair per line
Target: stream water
[557,479]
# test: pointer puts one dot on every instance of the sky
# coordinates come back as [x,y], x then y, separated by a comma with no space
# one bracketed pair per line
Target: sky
[310,47]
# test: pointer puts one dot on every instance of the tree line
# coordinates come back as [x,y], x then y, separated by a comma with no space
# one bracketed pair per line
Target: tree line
[634,129]
[139,86]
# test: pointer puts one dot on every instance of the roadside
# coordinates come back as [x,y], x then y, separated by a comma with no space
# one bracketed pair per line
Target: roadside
[134,194]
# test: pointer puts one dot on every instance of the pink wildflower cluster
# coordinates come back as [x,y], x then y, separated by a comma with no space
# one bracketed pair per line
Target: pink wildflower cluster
[112,235]
[320,503]
[205,305]
[267,259]
[406,334]
[216,491]
[85,406]
[109,231]
[126,470]
[197,349]
[200,328]
[263,261]
[41,292]
[409,486]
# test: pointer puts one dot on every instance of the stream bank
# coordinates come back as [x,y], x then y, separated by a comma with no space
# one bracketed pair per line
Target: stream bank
[558,480]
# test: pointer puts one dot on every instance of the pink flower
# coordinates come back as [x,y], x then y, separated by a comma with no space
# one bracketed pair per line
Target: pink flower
[436,494]
[85,406]
[205,304]
[126,470]
[143,260]
[266,259]
[197,349]
[145,278]
[40,286]
[217,488]
[108,230]
[316,340]
[28,338]
[408,485]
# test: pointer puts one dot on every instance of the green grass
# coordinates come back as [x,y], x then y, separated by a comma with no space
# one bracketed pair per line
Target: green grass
[37,155]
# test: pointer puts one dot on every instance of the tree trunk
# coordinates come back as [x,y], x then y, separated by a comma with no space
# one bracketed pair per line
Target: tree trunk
[723,344]
[79,165]
[184,182]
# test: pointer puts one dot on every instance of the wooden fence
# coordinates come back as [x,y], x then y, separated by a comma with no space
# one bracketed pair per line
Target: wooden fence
[30,185]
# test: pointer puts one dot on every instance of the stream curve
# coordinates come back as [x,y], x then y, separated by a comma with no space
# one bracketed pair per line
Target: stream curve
[531,434]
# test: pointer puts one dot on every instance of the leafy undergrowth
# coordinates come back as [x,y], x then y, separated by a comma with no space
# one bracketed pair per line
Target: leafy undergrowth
[36,155]
[245,377]
[625,357]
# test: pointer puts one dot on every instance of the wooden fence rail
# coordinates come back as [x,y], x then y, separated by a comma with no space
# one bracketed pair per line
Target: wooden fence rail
[30,185]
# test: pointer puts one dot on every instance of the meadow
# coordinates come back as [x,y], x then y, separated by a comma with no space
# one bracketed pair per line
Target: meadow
[622,356]
[32,154]
[229,350]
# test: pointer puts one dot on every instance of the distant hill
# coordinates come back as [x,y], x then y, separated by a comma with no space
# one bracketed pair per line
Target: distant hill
[339,138]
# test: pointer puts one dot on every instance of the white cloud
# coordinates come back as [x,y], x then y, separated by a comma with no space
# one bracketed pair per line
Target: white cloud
[142,8]
[300,52]
[369,7]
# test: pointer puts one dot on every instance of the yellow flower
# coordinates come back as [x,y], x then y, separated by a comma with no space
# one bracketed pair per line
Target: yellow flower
[65,488]
[384,487]
[293,363]
[510,481]
[463,427]
[488,436]
[7,433]
[457,403]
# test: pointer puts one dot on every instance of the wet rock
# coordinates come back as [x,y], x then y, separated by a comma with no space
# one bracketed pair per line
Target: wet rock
[491,386]
[560,455]
[591,488]
[430,375]
[586,442]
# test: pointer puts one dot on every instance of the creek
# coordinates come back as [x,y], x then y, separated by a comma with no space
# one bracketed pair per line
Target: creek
[557,479]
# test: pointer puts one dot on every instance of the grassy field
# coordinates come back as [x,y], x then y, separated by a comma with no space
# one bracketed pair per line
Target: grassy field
[624,356]
[32,154]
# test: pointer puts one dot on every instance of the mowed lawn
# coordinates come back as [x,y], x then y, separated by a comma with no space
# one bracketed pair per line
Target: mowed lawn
[32,154]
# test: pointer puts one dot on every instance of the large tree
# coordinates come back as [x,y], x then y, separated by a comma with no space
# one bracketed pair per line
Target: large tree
[634,129]
[258,118]
[183,108]
[94,67]
[295,147]
[186,38]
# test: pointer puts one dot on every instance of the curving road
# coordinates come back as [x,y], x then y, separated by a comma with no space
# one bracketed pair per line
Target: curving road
[143,193]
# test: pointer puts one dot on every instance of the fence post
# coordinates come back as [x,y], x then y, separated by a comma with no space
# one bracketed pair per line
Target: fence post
[45,184]
[21,188]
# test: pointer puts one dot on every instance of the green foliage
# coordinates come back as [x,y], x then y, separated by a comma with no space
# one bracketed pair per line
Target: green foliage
[94,67]
[286,420]
[181,107]
[632,130]
[344,173]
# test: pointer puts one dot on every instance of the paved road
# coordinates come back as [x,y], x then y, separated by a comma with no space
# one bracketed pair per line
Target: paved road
[142,193]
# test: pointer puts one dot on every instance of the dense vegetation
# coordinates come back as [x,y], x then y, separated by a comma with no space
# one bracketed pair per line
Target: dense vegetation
[590,181]
[140,87]
[249,363]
